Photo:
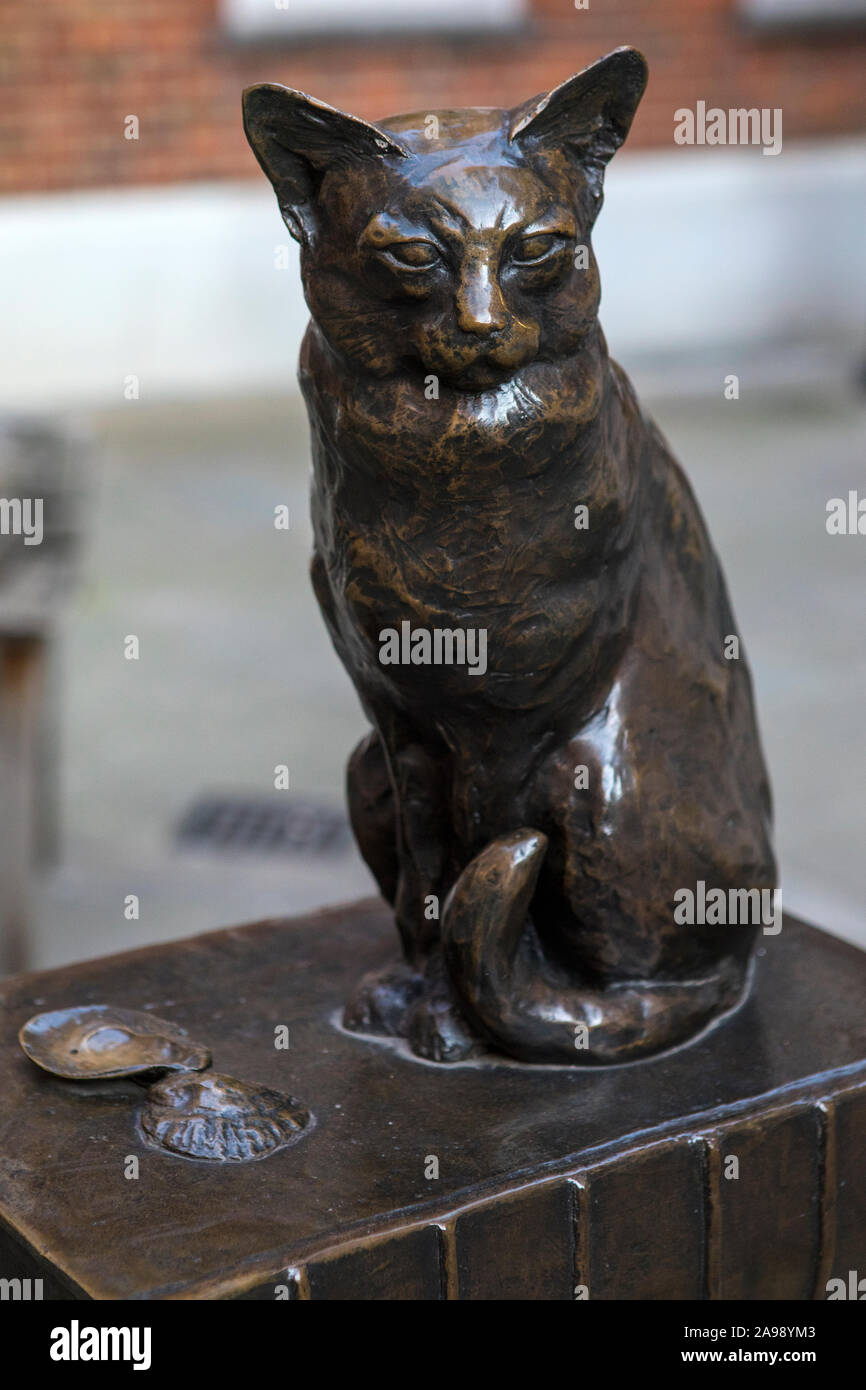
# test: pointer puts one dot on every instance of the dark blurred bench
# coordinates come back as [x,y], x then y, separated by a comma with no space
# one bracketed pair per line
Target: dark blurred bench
[38,462]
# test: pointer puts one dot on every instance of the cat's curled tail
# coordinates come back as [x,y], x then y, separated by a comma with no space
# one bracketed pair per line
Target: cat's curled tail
[524,1004]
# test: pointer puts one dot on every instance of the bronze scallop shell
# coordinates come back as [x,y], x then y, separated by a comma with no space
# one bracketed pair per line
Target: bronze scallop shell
[219,1118]
[94,1041]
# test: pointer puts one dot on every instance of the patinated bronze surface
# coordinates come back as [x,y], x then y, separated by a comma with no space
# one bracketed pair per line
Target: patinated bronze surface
[188,1110]
[545,1179]
[216,1117]
[485,484]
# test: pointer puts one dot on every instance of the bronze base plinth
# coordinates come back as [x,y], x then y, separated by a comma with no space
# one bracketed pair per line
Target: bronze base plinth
[730,1168]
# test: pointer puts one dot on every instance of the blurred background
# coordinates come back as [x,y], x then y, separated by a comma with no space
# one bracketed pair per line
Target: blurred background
[161,653]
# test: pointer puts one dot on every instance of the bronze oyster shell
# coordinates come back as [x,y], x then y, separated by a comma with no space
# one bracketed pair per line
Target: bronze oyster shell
[217,1117]
[94,1041]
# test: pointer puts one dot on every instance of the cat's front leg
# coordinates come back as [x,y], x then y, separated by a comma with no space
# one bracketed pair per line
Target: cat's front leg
[419,780]
[395,808]
[436,1026]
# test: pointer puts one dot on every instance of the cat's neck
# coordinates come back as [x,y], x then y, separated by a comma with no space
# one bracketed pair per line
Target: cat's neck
[550,421]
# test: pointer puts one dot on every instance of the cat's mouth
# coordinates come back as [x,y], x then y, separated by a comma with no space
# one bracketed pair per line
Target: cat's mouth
[467,365]
[482,373]
[479,377]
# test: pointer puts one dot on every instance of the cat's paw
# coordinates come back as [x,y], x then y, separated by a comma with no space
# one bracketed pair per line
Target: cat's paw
[382,1000]
[438,1032]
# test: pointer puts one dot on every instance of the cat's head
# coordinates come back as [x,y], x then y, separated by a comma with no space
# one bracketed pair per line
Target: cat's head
[449,242]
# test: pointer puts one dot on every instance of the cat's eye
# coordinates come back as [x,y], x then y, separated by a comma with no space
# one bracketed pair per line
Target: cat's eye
[537,247]
[413,255]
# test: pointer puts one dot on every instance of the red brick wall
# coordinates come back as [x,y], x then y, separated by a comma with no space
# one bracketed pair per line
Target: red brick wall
[71,70]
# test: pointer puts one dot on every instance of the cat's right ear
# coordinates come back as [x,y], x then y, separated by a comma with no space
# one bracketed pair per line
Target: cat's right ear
[588,116]
[297,139]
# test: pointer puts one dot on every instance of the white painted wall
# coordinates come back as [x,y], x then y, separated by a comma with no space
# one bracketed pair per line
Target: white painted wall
[285,18]
[699,249]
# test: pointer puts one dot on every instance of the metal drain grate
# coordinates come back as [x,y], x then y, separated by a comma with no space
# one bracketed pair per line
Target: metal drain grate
[263,826]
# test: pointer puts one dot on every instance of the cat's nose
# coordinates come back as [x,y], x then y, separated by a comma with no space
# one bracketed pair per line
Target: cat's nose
[479,303]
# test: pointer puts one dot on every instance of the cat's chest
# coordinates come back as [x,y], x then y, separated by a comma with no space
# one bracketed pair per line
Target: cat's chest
[437,548]
[462,501]
[397,568]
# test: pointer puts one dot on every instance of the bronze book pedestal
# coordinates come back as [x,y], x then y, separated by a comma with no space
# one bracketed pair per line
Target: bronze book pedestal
[417,1181]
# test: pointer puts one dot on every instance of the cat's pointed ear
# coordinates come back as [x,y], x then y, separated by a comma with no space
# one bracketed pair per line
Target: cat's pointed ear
[589,115]
[297,139]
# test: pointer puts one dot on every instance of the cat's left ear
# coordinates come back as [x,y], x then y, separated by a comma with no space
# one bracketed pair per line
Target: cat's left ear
[588,116]
[297,139]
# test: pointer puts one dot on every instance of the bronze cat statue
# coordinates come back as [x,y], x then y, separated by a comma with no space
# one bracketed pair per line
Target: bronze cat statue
[516,575]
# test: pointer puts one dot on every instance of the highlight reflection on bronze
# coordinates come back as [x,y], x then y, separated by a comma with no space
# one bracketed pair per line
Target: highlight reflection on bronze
[96,1041]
